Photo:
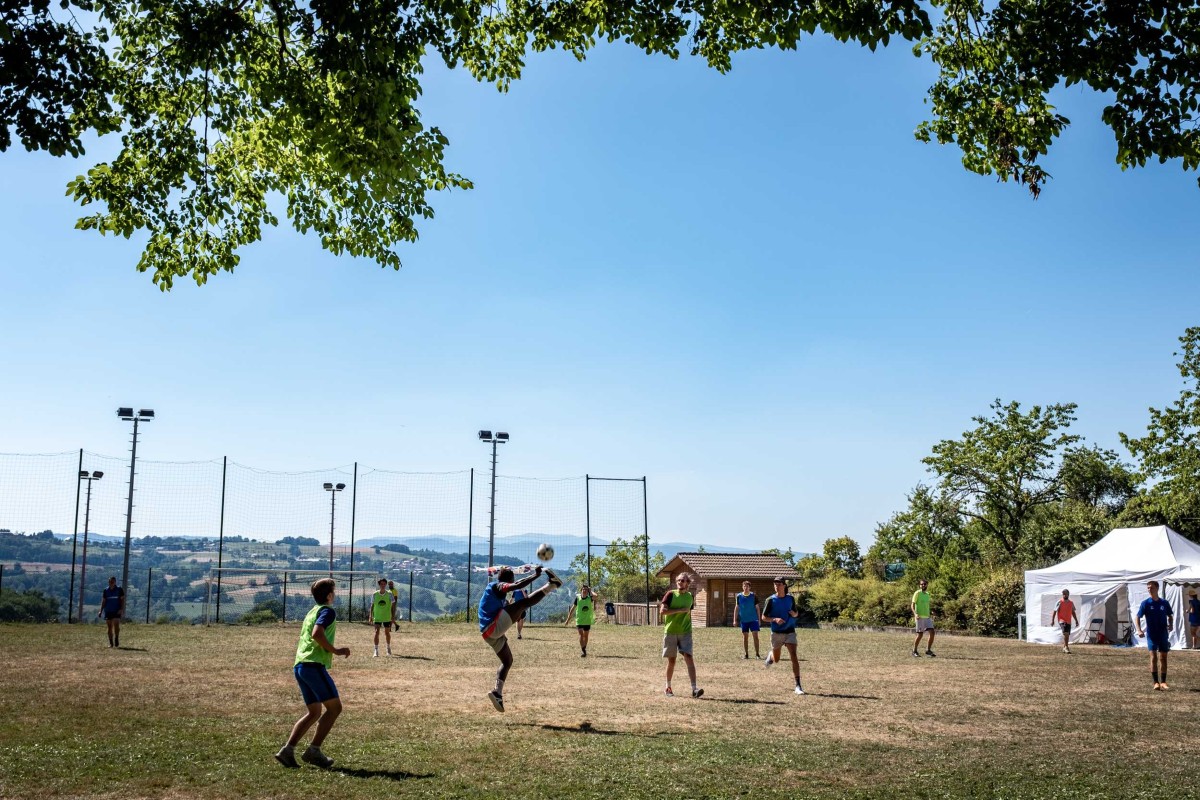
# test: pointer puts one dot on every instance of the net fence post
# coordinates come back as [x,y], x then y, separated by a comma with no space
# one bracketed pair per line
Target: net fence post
[470,527]
[353,512]
[410,592]
[149,577]
[221,534]
[75,538]
[587,506]
[285,583]
[646,544]
[1,577]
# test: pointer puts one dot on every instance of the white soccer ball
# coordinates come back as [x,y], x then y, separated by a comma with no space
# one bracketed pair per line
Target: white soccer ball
[545,552]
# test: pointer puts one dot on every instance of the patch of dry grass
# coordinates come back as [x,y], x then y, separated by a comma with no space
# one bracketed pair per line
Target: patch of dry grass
[196,712]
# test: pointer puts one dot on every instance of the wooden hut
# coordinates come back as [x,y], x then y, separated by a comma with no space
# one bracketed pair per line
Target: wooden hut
[718,579]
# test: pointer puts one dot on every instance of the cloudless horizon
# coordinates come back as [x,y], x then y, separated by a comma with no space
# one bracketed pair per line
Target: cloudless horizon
[755,289]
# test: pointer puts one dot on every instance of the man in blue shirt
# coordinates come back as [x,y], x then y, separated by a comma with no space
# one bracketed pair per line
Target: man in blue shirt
[748,614]
[1159,619]
[780,610]
[112,608]
[496,616]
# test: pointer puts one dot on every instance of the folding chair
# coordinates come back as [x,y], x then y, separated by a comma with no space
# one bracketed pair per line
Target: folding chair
[1094,630]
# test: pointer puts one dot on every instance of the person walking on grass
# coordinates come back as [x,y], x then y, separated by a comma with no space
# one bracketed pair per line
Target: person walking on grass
[748,616]
[496,616]
[923,619]
[382,611]
[1193,619]
[112,608]
[676,608]
[583,608]
[1064,611]
[1159,619]
[780,610]
[314,657]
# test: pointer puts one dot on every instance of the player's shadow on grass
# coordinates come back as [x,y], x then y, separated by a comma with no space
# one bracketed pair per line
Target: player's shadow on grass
[412,658]
[134,649]
[390,774]
[588,728]
[746,701]
[632,658]
[837,696]
[964,658]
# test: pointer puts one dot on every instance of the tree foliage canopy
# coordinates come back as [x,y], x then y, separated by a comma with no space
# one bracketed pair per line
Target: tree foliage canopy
[223,108]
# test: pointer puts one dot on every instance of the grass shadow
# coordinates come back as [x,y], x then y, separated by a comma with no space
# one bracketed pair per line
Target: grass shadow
[133,649]
[747,701]
[587,728]
[390,774]
[963,658]
[412,658]
[837,696]
[631,658]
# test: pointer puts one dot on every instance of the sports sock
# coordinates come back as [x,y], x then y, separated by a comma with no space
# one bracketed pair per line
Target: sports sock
[499,687]
[693,686]
[1155,674]
[1163,673]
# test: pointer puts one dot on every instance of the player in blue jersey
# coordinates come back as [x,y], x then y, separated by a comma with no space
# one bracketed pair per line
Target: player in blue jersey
[496,616]
[1159,619]
[112,608]
[780,610]
[748,614]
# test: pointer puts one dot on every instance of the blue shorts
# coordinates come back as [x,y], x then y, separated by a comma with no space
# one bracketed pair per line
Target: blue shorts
[1160,643]
[315,684]
[750,627]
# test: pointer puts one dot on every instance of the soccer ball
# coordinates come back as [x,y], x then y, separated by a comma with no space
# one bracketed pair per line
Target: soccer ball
[545,552]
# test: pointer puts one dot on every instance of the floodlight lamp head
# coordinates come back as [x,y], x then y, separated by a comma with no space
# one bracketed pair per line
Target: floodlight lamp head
[146,413]
[83,473]
[97,474]
[485,436]
[341,486]
[502,437]
[125,413]
[329,487]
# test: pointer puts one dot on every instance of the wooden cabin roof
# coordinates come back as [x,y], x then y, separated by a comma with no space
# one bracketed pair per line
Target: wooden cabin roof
[730,565]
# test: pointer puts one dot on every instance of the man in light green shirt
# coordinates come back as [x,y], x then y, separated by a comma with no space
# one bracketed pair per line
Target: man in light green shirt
[923,619]
[382,611]
[676,609]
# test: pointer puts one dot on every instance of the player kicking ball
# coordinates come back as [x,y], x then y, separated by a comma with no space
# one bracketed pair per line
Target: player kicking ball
[496,616]
[314,656]
[780,610]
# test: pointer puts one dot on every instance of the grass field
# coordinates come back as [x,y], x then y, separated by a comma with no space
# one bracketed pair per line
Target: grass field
[197,712]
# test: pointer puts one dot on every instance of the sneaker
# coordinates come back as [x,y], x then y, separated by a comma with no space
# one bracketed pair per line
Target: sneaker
[697,693]
[497,701]
[669,693]
[1067,650]
[746,657]
[389,652]
[1163,685]
[799,690]
[287,757]
[769,660]
[376,655]
[552,579]
[518,636]
[1158,687]
[930,653]
[314,756]
[915,654]
[583,653]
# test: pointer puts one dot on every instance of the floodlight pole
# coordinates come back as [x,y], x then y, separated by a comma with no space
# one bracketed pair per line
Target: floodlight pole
[332,505]
[492,515]
[75,538]
[87,518]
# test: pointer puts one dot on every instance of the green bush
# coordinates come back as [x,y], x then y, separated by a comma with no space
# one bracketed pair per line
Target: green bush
[29,606]
[992,606]
[835,598]
[883,603]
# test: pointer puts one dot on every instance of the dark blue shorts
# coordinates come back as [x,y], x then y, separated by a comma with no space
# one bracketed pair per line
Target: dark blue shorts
[112,615]
[1160,642]
[750,627]
[315,684]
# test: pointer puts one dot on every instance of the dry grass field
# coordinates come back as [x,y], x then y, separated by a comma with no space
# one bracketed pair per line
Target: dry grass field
[197,712]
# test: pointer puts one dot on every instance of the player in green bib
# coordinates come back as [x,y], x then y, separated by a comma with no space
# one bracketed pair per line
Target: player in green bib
[676,608]
[381,614]
[314,656]
[584,609]
[923,619]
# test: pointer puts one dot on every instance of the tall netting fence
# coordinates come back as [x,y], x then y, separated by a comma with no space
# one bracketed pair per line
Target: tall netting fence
[220,541]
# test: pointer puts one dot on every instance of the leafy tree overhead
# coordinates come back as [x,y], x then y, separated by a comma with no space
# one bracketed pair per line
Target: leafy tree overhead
[1006,467]
[231,112]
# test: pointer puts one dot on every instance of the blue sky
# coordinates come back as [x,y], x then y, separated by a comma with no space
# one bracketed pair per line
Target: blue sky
[756,289]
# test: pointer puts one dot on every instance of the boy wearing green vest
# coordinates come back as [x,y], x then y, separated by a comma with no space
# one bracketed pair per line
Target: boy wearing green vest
[923,619]
[382,611]
[676,609]
[314,656]
[584,609]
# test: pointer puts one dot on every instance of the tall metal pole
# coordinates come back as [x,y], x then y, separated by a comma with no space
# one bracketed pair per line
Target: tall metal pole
[492,522]
[149,579]
[410,591]
[83,563]
[587,504]
[470,526]
[353,512]
[75,538]
[221,534]
[332,504]
[646,542]
[129,511]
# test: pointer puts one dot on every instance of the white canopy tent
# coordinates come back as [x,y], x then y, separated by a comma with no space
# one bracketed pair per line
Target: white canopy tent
[1108,583]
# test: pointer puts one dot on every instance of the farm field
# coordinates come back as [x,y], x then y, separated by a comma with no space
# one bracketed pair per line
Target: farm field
[184,711]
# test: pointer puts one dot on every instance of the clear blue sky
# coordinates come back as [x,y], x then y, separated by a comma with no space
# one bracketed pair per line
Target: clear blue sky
[755,289]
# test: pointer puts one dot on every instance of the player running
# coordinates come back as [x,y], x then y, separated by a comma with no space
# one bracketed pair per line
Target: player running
[496,616]
[780,610]
[584,610]
[676,608]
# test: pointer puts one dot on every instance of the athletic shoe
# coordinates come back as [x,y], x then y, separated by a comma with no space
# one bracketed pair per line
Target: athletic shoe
[799,690]
[376,655]
[697,693]
[552,579]
[497,701]
[769,660]
[930,653]
[518,636]
[287,757]
[915,654]
[1067,650]
[1163,686]
[314,756]
[389,651]
[1158,687]
[669,693]
[746,657]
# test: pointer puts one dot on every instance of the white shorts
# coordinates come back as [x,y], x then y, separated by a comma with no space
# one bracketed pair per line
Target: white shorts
[924,624]
[676,643]
[495,634]
[778,640]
